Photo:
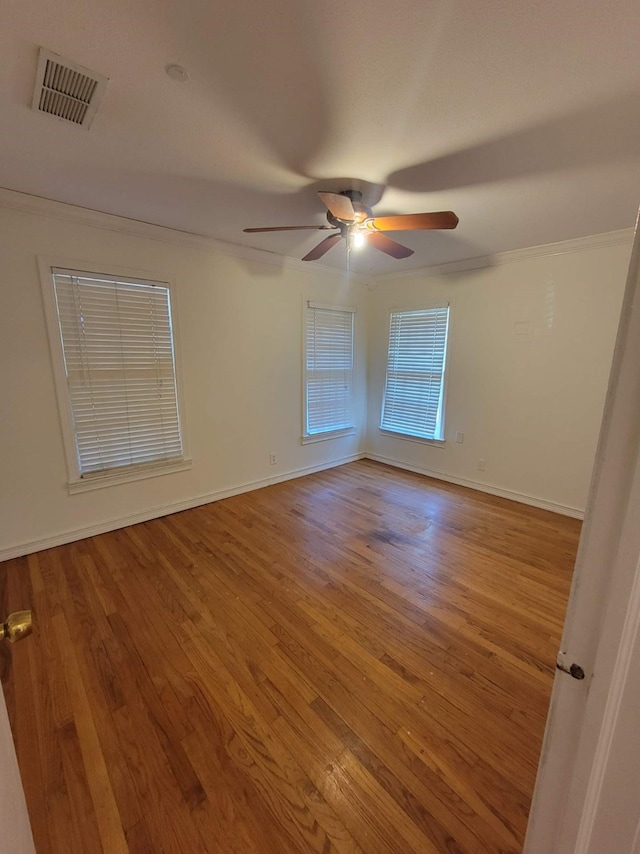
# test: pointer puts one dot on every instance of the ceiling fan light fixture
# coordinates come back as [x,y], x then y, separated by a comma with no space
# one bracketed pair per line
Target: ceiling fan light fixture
[355,223]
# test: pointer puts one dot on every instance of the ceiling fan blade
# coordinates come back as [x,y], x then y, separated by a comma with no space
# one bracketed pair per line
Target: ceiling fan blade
[322,247]
[386,244]
[288,228]
[339,206]
[413,222]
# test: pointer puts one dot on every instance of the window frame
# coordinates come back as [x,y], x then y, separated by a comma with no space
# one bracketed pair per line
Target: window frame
[410,437]
[309,438]
[76,482]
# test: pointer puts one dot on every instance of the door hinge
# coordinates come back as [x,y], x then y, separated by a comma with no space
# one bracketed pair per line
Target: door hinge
[562,663]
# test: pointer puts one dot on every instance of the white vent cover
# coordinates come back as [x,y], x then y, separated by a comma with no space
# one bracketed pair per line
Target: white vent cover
[67,90]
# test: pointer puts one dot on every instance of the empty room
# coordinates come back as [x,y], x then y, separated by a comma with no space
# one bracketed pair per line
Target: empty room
[320,333]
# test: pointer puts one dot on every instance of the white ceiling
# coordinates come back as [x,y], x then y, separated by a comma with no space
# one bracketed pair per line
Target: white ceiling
[522,117]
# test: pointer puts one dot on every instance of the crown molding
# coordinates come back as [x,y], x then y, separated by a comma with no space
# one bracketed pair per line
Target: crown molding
[563,247]
[14,200]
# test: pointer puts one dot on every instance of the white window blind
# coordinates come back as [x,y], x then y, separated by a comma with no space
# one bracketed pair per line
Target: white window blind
[329,369]
[119,361]
[414,390]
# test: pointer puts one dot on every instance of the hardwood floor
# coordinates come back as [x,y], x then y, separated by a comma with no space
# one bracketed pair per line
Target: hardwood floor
[356,661]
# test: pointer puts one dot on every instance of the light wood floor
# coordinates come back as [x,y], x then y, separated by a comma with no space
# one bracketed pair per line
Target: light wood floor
[357,661]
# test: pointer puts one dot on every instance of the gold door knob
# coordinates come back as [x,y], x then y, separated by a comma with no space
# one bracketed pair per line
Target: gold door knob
[17,626]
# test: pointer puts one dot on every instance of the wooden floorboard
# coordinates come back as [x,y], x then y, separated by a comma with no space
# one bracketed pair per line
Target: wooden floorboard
[356,661]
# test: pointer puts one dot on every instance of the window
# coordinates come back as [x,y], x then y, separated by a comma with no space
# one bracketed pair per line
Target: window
[413,400]
[328,371]
[120,391]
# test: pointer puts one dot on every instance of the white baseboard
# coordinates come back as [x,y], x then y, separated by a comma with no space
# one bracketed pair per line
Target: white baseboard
[531,500]
[164,510]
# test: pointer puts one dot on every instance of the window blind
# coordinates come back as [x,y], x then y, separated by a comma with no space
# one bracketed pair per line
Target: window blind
[414,389]
[329,369]
[119,361]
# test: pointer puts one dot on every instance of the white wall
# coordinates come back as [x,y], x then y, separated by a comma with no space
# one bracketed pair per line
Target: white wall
[241,353]
[528,403]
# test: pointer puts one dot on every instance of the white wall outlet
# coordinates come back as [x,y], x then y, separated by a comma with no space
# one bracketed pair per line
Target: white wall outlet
[481,465]
[273,459]
[459,437]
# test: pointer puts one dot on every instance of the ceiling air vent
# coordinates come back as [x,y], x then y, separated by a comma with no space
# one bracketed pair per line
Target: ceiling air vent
[67,90]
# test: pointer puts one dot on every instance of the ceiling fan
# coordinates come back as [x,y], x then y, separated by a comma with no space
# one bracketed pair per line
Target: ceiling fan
[355,222]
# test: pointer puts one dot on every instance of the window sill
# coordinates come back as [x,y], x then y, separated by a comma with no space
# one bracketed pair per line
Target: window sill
[436,443]
[330,434]
[99,481]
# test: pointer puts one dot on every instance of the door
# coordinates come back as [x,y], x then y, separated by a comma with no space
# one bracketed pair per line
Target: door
[14,821]
[590,747]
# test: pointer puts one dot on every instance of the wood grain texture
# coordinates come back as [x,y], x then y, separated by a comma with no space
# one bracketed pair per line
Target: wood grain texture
[357,661]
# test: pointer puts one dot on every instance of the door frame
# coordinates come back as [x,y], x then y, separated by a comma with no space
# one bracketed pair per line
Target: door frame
[14,819]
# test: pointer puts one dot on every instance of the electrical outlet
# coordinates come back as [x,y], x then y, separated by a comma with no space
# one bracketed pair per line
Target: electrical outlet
[273,459]
[481,465]
[459,437]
